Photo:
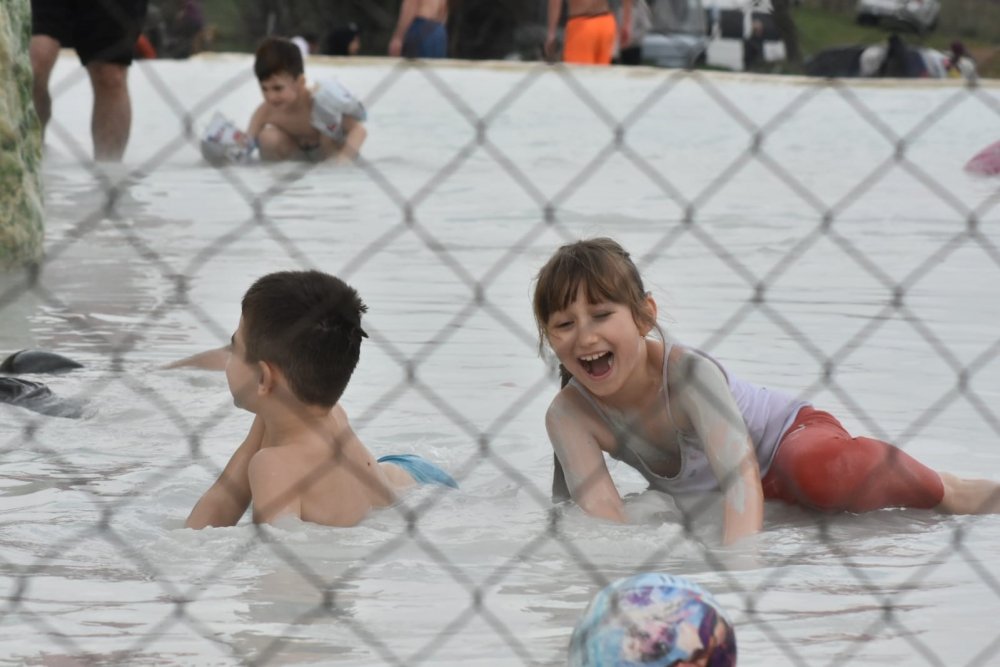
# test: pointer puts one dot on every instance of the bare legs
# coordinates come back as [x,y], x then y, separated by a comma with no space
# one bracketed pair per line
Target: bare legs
[969,496]
[43,51]
[819,465]
[111,120]
[275,144]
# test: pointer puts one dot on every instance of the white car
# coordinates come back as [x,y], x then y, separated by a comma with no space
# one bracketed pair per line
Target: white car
[677,37]
[922,15]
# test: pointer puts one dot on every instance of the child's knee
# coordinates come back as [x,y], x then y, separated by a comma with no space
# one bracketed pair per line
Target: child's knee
[274,144]
[108,77]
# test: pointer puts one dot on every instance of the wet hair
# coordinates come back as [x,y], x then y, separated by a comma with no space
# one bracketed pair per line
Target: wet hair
[308,324]
[602,268]
[277,55]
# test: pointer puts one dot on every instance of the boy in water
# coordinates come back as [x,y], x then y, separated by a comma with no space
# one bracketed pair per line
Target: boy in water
[298,122]
[297,344]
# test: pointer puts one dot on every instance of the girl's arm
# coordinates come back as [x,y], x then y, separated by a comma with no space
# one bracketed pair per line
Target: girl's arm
[703,395]
[580,459]
[227,499]
[560,491]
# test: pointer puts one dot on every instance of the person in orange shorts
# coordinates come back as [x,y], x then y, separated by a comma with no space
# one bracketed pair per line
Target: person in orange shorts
[590,31]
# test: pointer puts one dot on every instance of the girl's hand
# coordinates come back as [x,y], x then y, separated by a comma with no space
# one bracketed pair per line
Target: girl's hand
[581,460]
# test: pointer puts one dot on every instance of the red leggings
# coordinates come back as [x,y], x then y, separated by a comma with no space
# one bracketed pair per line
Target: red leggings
[820,466]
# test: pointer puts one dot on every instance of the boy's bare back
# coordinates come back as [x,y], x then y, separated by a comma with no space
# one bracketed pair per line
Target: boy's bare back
[289,361]
[323,474]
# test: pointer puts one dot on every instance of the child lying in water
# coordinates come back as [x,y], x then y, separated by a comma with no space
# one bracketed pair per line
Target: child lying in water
[689,426]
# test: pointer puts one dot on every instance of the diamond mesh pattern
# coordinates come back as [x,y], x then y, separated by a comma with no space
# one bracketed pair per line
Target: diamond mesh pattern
[687,226]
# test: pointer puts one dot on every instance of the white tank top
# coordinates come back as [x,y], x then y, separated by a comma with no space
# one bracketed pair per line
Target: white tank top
[767,414]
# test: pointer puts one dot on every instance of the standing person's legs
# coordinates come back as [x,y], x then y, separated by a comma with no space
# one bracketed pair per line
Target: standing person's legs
[105,36]
[51,29]
[43,52]
[111,121]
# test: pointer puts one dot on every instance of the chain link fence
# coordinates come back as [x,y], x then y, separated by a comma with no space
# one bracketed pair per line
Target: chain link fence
[684,199]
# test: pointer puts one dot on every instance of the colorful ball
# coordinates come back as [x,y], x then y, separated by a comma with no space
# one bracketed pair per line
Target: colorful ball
[650,620]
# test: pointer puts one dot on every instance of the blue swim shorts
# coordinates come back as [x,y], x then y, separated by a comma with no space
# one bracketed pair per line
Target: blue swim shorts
[425,39]
[421,470]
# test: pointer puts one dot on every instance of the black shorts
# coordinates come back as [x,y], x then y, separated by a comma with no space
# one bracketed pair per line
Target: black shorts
[99,30]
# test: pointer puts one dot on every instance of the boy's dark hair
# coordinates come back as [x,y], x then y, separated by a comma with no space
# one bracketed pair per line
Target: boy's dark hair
[277,55]
[308,324]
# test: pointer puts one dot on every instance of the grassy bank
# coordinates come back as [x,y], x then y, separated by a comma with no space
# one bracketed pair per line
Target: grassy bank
[231,32]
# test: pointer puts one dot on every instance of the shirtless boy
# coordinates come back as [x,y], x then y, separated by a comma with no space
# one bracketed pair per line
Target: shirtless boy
[420,30]
[298,122]
[295,349]
[590,31]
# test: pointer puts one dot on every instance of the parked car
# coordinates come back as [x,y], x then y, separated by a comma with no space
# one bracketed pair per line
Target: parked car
[678,36]
[921,15]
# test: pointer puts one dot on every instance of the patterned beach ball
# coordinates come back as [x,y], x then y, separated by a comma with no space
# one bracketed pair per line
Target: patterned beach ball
[653,620]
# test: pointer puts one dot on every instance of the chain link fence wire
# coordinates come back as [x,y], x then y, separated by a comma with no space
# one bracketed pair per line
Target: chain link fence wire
[41,457]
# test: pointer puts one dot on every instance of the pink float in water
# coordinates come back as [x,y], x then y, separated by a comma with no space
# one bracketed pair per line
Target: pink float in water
[986,161]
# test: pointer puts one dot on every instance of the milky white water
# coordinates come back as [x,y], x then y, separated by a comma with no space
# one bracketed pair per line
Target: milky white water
[96,567]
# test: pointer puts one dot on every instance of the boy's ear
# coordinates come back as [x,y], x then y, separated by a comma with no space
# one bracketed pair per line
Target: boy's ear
[267,378]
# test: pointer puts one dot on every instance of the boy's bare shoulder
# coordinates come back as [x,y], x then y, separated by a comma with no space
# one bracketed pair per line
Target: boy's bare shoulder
[275,461]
